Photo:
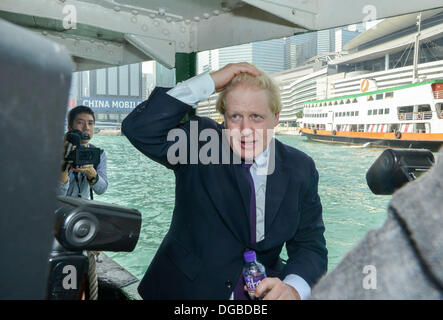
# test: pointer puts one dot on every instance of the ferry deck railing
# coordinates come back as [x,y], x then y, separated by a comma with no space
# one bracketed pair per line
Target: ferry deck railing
[426,115]
[438,94]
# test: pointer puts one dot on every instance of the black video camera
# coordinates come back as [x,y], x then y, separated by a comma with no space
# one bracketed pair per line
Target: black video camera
[394,168]
[82,224]
[80,155]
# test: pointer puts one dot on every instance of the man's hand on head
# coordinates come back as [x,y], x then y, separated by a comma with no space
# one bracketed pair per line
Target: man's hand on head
[275,289]
[223,76]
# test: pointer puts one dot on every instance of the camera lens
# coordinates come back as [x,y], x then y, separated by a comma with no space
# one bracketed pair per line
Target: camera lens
[81,228]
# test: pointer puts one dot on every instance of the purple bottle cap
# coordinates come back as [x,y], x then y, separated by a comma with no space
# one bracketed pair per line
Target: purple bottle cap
[249,256]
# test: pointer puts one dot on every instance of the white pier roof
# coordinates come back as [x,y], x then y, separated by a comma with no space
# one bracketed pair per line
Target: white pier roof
[99,33]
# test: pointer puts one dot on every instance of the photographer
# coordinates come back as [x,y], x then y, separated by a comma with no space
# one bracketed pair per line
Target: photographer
[80,181]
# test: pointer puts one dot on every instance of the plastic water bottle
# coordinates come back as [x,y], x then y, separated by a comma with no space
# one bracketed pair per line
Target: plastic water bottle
[253,272]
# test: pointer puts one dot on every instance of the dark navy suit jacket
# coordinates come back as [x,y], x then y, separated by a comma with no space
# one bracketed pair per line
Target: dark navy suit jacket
[201,256]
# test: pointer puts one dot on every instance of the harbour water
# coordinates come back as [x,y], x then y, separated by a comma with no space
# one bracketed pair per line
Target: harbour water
[349,207]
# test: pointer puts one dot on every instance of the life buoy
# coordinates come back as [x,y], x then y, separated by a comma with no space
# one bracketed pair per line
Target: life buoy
[397,134]
[402,117]
[334,132]
[418,116]
[364,85]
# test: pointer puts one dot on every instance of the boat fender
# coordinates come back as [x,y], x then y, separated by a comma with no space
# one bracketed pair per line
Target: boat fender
[397,134]
[334,132]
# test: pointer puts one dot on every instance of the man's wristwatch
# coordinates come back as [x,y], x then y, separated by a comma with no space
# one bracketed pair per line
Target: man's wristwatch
[93,180]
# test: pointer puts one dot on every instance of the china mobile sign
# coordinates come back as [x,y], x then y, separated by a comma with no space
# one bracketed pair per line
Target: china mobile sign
[110,104]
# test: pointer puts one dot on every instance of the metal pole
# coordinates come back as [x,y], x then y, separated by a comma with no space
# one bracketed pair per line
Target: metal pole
[416,49]
[185,68]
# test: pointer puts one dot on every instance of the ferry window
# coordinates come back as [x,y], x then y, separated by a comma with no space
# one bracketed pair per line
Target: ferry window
[380,111]
[347,114]
[348,101]
[354,100]
[379,96]
[370,98]
[341,101]
[374,112]
[356,113]
[352,113]
[424,108]
[369,112]
[406,109]
[387,111]
[439,109]
[336,114]
[389,94]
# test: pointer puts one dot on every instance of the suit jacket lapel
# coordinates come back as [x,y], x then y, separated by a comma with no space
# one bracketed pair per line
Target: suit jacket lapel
[229,190]
[276,186]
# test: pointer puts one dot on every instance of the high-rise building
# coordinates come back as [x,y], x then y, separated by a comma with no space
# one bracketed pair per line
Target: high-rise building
[342,37]
[325,41]
[111,92]
[300,48]
[163,77]
[269,55]
[235,54]
[266,55]
[207,61]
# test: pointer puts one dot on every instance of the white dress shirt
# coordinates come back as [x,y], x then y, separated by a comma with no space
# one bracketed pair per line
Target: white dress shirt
[200,88]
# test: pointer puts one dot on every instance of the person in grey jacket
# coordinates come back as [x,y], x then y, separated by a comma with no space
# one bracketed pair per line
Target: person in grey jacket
[76,182]
[404,258]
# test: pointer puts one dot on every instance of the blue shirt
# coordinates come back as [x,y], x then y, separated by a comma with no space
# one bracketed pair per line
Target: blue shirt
[74,189]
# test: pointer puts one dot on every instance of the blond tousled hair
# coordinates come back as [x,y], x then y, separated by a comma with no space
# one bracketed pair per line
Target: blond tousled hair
[263,81]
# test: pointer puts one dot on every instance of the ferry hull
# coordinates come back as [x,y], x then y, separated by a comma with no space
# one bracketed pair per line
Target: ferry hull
[433,145]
